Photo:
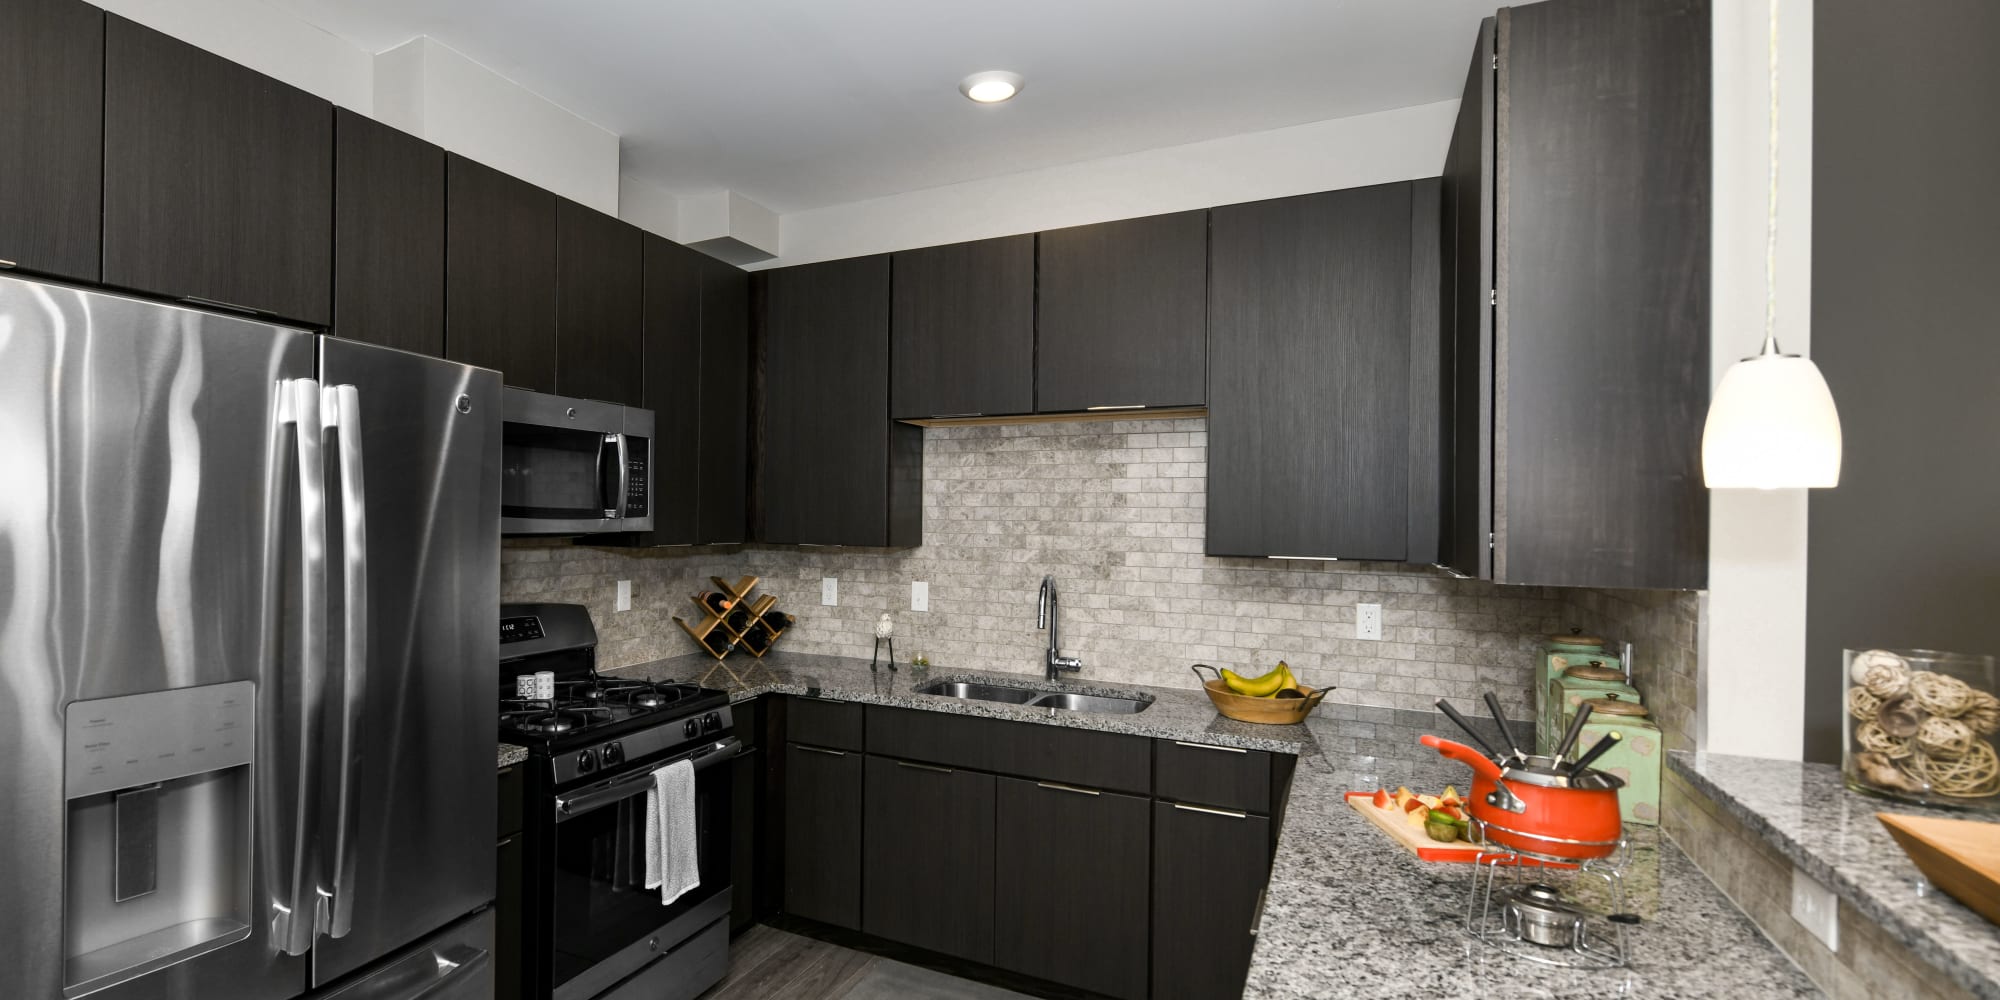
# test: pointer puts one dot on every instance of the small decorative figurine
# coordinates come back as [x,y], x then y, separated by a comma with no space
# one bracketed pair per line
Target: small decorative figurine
[885,632]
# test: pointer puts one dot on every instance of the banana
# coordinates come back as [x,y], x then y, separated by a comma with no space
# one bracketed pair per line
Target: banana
[1291,680]
[1257,687]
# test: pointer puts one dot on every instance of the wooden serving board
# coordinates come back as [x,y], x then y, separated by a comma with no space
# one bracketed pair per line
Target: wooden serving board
[1960,856]
[1412,838]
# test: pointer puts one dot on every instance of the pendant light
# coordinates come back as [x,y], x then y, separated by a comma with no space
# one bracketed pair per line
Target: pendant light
[1771,424]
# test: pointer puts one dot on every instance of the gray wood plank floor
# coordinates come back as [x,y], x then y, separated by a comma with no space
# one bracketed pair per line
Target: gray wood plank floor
[769,964]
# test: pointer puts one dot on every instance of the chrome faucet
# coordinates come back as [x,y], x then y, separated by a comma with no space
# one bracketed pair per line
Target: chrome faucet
[1045,617]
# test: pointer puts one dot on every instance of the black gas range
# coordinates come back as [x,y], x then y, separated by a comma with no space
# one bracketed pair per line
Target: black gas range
[590,928]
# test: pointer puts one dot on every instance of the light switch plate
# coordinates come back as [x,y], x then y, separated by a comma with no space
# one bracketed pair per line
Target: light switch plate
[829,591]
[1816,909]
[920,596]
[624,595]
[1368,621]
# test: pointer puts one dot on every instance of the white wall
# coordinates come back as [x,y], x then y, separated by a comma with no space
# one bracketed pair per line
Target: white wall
[432,90]
[1319,156]
[1753,634]
[266,39]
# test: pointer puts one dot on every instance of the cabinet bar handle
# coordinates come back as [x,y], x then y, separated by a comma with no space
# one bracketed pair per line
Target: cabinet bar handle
[1231,813]
[829,753]
[8,263]
[1126,406]
[1209,746]
[1052,786]
[924,767]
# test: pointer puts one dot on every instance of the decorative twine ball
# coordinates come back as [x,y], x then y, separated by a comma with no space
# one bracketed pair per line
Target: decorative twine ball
[1941,737]
[1973,775]
[1899,717]
[1940,694]
[1983,715]
[1874,739]
[1861,704]
[1884,678]
[1863,662]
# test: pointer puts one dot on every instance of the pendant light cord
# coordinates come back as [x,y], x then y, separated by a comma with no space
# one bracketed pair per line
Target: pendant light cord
[1771,214]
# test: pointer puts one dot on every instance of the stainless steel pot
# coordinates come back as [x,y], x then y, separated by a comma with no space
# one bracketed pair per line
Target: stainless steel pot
[1536,913]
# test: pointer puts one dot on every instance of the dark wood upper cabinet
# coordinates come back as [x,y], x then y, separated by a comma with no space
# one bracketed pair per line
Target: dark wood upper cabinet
[218,180]
[388,236]
[674,387]
[950,908]
[51,137]
[1309,424]
[964,329]
[724,464]
[500,260]
[1122,314]
[1209,868]
[600,343]
[1082,920]
[1465,542]
[1603,304]
[822,820]
[832,469]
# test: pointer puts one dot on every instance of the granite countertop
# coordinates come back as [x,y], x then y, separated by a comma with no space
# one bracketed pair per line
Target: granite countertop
[1347,913]
[511,755]
[1807,813]
[1175,714]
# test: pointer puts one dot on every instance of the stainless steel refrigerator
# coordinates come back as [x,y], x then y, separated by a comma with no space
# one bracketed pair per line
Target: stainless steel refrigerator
[248,585]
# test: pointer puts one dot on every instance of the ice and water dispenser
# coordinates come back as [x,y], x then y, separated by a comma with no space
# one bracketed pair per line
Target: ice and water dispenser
[157,868]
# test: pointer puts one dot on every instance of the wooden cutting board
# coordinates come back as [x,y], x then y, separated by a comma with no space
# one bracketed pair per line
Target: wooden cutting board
[1960,856]
[1412,838]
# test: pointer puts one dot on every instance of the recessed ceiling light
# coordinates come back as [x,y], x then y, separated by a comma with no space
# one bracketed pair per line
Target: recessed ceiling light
[991,87]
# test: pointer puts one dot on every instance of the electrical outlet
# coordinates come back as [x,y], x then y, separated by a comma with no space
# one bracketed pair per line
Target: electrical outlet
[624,595]
[829,591]
[1368,621]
[920,596]
[1816,909]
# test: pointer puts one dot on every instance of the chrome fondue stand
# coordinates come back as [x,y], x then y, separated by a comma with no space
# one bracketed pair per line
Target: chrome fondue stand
[1566,933]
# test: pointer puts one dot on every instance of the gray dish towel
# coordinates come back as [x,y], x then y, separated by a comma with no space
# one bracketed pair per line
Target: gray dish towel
[673,865]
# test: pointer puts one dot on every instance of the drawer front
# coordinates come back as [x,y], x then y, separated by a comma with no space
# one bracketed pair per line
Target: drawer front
[822,723]
[1025,749]
[512,782]
[1212,775]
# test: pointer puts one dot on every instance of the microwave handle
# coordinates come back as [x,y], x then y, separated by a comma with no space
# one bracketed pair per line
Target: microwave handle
[624,477]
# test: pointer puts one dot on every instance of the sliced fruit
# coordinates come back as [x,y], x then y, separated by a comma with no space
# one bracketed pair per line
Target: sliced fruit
[1440,827]
[1450,792]
[1403,797]
[1453,811]
[1382,799]
[1416,805]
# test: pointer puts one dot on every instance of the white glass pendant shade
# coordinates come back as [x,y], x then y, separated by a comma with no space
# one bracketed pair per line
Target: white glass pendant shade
[1771,425]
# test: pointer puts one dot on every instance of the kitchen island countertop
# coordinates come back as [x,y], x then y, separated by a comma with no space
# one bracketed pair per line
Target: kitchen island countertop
[1347,913]
[1807,813]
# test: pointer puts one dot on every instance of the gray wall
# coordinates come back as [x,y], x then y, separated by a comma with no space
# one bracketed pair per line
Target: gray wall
[1906,326]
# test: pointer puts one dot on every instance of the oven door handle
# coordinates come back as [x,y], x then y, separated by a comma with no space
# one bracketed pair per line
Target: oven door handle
[597,796]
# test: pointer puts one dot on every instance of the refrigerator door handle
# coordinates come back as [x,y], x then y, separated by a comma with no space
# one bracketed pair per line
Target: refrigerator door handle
[340,415]
[293,913]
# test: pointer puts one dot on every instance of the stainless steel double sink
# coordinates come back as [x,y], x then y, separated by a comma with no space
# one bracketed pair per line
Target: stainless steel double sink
[1006,694]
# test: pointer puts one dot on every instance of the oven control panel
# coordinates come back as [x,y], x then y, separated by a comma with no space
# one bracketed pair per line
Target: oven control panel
[520,629]
[676,735]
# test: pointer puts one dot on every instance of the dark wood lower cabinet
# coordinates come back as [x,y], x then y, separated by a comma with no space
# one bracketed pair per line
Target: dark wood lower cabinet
[823,835]
[1209,868]
[745,821]
[1071,900]
[507,921]
[939,897]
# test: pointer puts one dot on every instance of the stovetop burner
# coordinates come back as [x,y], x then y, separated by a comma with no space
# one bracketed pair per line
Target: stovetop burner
[593,705]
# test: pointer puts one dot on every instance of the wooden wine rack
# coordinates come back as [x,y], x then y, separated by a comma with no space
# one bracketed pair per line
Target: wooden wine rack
[737,623]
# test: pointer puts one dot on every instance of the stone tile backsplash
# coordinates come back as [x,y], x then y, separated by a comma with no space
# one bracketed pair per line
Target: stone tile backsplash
[1114,510]
[1660,625]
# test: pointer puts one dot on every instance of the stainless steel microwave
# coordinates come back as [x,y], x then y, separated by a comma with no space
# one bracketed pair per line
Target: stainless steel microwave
[574,466]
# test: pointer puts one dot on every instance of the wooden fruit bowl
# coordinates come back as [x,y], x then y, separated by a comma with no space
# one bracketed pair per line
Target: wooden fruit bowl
[1266,711]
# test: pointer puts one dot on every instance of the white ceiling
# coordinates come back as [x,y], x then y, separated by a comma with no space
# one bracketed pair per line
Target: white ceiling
[800,104]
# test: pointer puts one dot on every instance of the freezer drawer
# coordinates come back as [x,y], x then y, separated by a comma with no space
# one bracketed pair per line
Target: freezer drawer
[454,964]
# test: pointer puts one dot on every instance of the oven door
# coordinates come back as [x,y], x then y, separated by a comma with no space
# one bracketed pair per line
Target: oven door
[569,466]
[607,924]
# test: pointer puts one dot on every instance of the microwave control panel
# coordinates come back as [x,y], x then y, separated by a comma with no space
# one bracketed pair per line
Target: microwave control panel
[635,476]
